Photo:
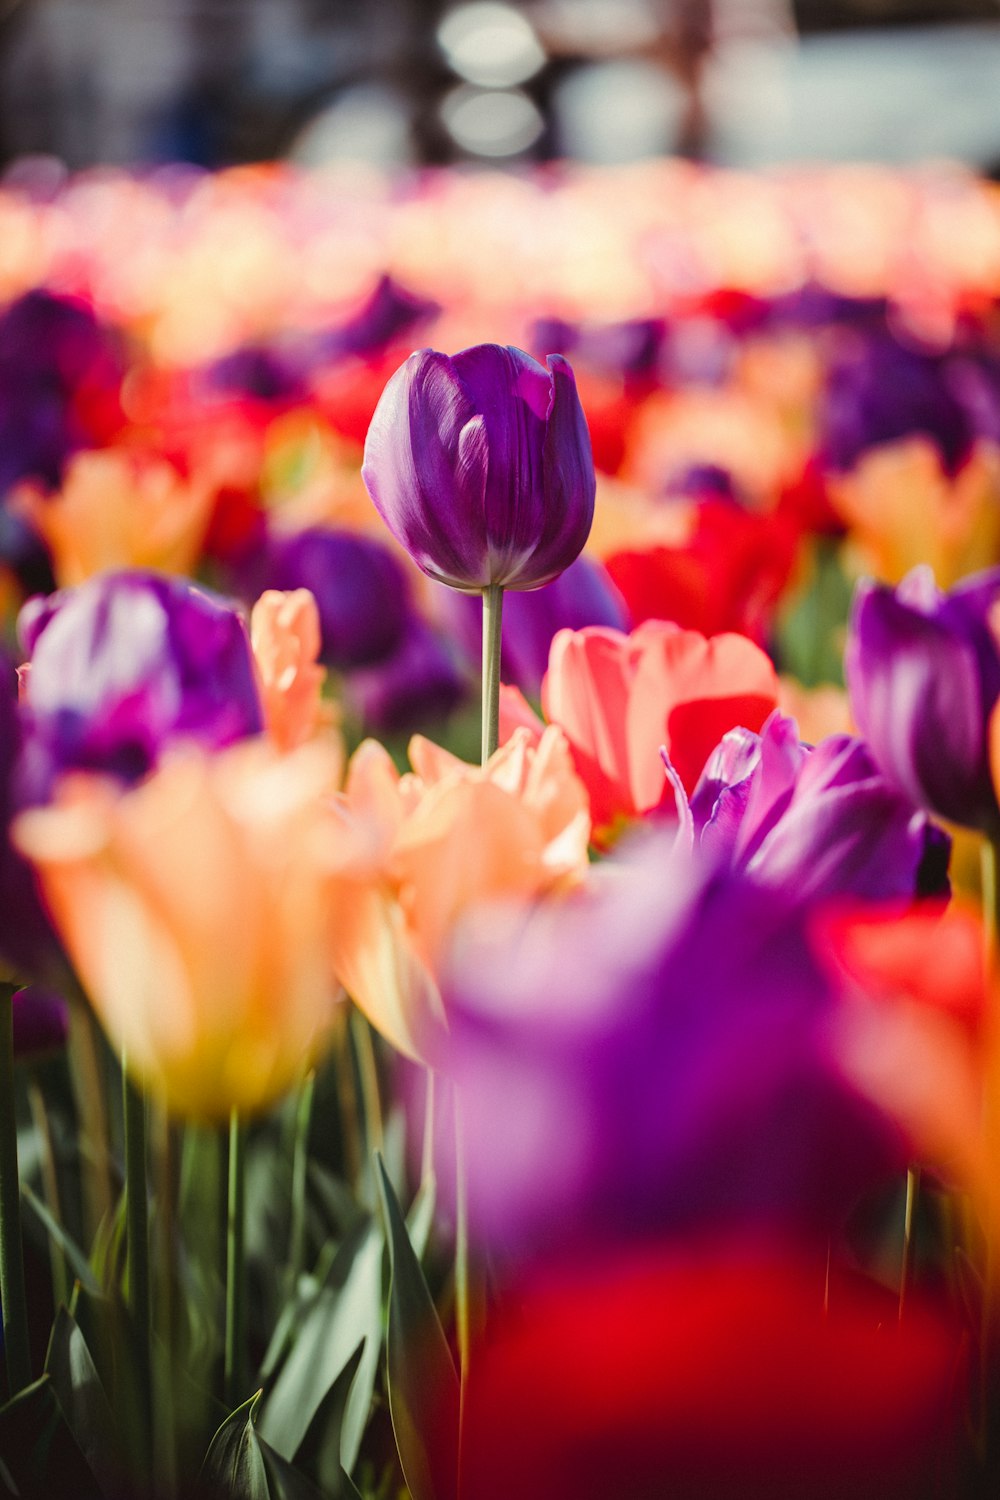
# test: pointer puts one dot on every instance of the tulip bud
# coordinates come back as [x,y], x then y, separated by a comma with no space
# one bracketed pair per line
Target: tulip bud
[480,465]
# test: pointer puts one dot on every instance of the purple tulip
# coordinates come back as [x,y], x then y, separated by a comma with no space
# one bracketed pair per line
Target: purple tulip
[582,595]
[41,1021]
[666,1038]
[480,465]
[360,588]
[879,390]
[389,312]
[28,944]
[923,674]
[255,370]
[123,666]
[420,684]
[626,350]
[52,349]
[815,822]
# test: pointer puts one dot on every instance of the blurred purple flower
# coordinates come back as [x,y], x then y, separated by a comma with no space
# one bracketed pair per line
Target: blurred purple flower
[665,1041]
[255,370]
[480,465]
[124,665]
[815,822]
[878,390]
[415,688]
[923,674]
[41,1021]
[582,595]
[360,589]
[28,944]
[625,350]
[60,371]
[389,312]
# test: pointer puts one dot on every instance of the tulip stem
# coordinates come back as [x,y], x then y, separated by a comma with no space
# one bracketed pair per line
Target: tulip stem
[50,1183]
[12,1298]
[300,1163]
[492,618]
[908,1265]
[236,1328]
[137,1217]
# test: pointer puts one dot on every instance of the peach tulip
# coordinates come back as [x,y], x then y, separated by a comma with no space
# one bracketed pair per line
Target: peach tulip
[438,840]
[620,698]
[196,909]
[119,509]
[286,638]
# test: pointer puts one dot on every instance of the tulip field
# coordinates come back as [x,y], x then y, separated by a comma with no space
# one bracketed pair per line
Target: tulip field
[500,842]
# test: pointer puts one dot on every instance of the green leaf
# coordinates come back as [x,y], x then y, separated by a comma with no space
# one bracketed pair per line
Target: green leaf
[342,1317]
[423,1385]
[239,1465]
[349,1489]
[420,1219]
[77,1260]
[83,1401]
[319,1451]
[234,1465]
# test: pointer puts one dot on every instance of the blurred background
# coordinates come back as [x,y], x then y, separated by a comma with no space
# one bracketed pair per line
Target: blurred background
[741,82]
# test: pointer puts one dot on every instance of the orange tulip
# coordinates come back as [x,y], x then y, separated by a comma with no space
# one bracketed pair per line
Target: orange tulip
[620,698]
[119,509]
[196,909]
[285,636]
[438,840]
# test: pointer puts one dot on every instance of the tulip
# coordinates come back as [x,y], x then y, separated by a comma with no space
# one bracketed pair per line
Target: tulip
[815,822]
[420,684]
[438,840]
[923,674]
[196,910]
[709,1375]
[125,665]
[285,636]
[620,698]
[480,465]
[666,1032]
[359,586]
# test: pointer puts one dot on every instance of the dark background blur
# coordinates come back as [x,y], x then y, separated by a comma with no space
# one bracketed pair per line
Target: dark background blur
[744,82]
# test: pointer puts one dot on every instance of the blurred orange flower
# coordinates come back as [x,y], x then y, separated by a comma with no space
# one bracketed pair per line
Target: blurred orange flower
[438,840]
[196,909]
[903,508]
[119,509]
[286,638]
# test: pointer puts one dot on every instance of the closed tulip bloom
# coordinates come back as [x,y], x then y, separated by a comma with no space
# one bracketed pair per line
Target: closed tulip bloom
[196,910]
[480,465]
[923,673]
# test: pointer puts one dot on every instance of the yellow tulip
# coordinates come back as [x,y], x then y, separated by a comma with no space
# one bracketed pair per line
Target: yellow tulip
[196,908]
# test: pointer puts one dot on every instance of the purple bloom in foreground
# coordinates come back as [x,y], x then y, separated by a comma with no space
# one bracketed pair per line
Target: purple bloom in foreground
[126,664]
[480,465]
[653,1055]
[360,590]
[815,822]
[923,674]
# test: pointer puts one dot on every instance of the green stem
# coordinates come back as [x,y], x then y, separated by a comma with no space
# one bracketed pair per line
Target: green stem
[427,1153]
[300,1163]
[371,1101]
[88,1080]
[137,1215]
[164,1416]
[50,1185]
[492,617]
[12,1298]
[909,1237]
[236,1328]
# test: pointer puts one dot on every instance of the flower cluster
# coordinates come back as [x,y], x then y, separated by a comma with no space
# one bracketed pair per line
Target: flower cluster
[670,1019]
